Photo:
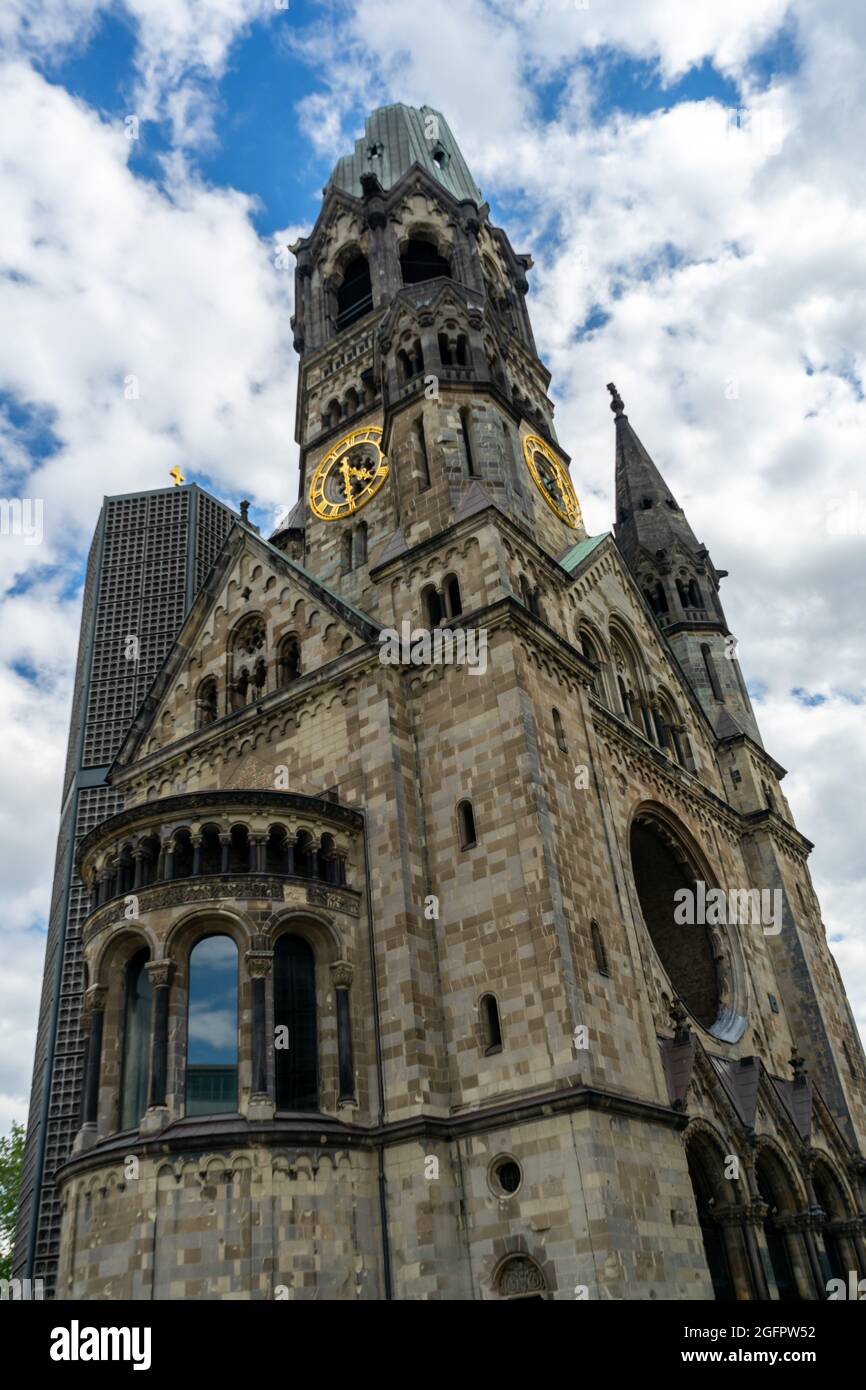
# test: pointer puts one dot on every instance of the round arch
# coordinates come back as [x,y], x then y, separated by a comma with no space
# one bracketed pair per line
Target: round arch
[702,959]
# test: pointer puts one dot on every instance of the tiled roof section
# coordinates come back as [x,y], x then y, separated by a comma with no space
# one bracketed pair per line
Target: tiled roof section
[576,554]
[396,137]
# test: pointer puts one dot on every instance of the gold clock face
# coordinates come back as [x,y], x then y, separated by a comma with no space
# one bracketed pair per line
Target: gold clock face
[349,475]
[551,477]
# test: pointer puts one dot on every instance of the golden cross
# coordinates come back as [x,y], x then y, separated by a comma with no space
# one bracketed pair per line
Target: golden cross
[177,475]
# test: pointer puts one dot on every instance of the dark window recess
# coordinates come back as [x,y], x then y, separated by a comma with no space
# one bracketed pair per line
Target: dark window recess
[421,261]
[508,1175]
[466,431]
[466,819]
[355,295]
[422,449]
[490,1024]
[598,950]
[297,1080]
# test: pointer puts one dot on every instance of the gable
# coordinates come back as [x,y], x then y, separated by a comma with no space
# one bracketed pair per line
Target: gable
[260,625]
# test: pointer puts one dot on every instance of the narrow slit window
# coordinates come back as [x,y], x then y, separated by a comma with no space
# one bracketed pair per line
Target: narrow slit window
[490,1025]
[466,823]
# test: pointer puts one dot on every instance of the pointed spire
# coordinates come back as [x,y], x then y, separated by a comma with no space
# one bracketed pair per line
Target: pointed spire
[648,516]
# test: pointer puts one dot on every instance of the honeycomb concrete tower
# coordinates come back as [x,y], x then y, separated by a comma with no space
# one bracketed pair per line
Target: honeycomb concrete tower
[150,552]
[455,940]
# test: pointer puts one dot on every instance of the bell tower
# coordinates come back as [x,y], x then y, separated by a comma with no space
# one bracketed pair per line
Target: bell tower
[421,393]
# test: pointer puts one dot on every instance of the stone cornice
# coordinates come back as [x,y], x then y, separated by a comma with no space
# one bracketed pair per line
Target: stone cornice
[319,1131]
[194,804]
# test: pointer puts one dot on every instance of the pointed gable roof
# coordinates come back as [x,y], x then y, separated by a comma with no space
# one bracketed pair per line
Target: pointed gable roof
[648,515]
[240,538]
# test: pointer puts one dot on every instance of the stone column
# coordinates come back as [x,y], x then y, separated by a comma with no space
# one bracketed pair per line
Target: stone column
[156,1118]
[196,855]
[731,1219]
[168,859]
[225,845]
[258,847]
[754,1216]
[94,1018]
[260,964]
[341,975]
[138,857]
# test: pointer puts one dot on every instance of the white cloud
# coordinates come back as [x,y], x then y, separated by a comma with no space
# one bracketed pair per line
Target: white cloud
[114,276]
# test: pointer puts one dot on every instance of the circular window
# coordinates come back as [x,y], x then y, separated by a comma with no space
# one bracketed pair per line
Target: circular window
[505,1176]
[700,960]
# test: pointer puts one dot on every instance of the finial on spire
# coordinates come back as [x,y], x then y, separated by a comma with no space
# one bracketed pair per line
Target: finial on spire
[616,404]
[245,512]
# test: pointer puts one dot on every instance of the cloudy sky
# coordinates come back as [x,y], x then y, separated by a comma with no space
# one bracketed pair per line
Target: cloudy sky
[689,180]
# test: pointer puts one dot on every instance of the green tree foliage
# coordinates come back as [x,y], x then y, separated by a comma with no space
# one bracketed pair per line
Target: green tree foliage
[11,1154]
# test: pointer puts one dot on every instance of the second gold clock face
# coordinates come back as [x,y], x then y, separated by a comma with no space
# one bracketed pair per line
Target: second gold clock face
[349,475]
[551,477]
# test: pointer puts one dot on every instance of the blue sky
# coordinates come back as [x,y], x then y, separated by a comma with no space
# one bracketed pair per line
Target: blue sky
[684,178]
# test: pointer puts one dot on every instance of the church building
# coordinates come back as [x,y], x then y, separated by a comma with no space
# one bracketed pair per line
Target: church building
[454,939]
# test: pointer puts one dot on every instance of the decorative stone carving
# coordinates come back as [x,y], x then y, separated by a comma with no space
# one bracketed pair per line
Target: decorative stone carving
[259,964]
[341,974]
[95,997]
[520,1276]
[159,973]
[330,898]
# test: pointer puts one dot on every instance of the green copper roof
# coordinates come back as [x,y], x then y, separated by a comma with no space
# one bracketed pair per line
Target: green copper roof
[578,553]
[395,138]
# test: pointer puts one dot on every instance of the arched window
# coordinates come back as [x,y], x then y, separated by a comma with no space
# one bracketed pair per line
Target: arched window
[276,850]
[466,825]
[136,1042]
[304,854]
[206,702]
[696,598]
[331,414]
[289,662]
[211,850]
[248,665]
[346,552]
[598,949]
[360,552]
[490,1025]
[212,1028]
[662,867]
[529,596]
[669,730]
[559,732]
[422,453]
[712,674]
[710,1190]
[355,295]
[351,402]
[239,850]
[466,432]
[182,858]
[149,848]
[453,601]
[297,1079]
[461,352]
[590,649]
[444,350]
[421,261]
[431,602]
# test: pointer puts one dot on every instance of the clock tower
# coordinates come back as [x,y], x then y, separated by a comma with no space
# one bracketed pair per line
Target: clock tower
[420,390]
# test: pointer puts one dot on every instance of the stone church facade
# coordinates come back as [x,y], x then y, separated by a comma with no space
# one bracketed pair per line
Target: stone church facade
[387,994]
